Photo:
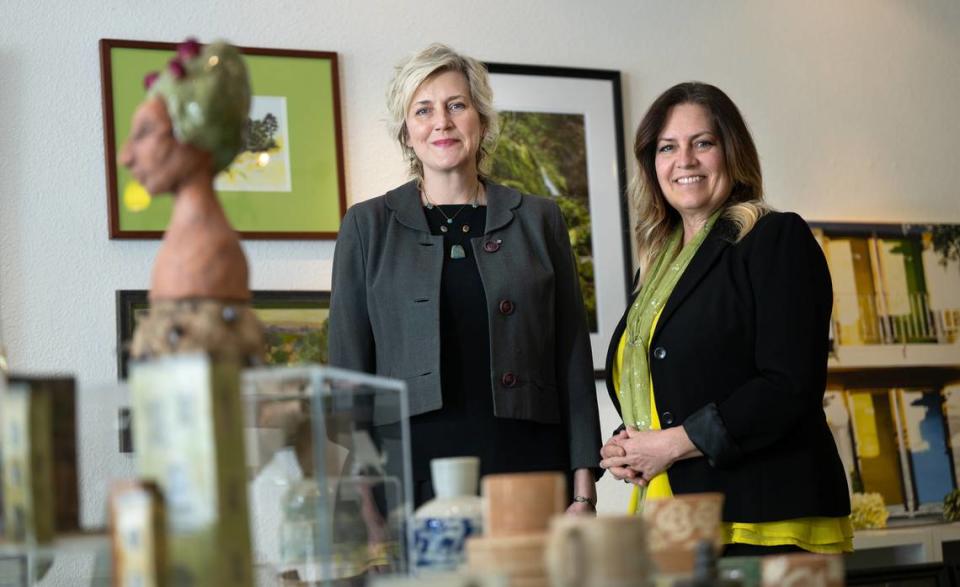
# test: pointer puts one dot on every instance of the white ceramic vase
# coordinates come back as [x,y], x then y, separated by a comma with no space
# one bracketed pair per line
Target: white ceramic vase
[442,525]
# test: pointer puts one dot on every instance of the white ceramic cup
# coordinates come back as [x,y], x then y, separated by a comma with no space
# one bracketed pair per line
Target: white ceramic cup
[455,476]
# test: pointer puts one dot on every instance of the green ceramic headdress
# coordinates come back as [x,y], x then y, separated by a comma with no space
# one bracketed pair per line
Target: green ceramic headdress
[207,93]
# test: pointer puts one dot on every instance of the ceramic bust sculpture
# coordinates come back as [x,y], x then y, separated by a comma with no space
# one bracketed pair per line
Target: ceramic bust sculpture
[189,128]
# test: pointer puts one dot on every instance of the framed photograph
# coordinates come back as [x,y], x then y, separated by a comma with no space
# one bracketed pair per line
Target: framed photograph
[288,181]
[561,136]
[295,324]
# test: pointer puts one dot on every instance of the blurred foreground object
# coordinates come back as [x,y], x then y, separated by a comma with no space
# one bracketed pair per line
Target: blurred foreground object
[138,534]
[38,446]
[442,525]
[189,128]
[329,473]
[188,428]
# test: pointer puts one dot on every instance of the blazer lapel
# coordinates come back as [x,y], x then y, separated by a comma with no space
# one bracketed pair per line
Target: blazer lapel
[405,201]
[715,243]
[501,202]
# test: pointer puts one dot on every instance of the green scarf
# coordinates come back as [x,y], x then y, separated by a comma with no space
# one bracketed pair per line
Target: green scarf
[661,278]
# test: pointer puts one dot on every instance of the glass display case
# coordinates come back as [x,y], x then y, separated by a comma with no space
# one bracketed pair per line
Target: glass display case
[329,474]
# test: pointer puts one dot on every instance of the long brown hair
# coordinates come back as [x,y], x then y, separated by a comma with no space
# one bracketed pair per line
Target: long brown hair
[656,218]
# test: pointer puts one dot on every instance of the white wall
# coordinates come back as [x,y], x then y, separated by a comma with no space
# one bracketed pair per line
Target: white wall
[853,105]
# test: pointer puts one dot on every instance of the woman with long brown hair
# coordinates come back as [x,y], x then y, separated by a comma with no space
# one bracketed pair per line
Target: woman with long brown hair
[719,363]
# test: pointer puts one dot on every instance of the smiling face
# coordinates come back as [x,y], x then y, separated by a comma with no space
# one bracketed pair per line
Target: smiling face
[154,156]
[691,168]
[443,127]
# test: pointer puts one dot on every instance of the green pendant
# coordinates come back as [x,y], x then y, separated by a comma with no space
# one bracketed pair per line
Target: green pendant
[457,252]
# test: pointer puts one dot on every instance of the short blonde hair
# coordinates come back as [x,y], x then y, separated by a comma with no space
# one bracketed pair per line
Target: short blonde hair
[413,71]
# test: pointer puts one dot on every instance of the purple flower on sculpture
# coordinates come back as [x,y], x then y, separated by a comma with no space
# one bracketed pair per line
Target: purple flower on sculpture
[149,79]
[177,69]
[188,49]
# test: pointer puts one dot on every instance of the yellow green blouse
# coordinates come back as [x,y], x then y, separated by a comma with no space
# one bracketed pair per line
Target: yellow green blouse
[821,535]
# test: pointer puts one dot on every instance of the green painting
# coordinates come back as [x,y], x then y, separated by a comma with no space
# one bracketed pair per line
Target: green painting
[294,323]
[295,335]
[288,181]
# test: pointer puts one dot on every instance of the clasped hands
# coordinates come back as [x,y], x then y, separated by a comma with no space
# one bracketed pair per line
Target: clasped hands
[637,456]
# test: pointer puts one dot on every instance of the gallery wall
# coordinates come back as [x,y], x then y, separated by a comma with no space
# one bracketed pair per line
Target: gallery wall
[852,104]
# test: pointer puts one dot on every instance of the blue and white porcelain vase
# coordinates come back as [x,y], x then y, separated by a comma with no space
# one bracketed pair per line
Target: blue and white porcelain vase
[442,525]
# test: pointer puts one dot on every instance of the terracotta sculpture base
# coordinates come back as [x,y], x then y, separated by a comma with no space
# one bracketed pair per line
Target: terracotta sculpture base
[223,329]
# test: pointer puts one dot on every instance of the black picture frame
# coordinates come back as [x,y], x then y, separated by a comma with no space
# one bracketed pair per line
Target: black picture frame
[594,96]
[132,303]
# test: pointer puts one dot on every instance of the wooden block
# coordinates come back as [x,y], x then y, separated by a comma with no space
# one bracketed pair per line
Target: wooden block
[25,421]
[521,503]
[38,420]
[188,430]
[138,534]
[63,421]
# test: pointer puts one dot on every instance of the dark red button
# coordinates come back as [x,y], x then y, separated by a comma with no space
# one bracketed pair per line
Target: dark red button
[506,307]
[509,379]
[491,246]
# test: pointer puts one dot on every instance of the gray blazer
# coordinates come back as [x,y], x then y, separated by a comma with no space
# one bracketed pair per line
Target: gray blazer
[385,308]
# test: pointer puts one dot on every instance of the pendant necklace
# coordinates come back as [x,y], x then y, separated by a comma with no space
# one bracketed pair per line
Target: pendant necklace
[456,250]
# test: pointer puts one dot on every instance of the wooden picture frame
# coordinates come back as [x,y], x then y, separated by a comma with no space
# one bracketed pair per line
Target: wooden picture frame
[296,192]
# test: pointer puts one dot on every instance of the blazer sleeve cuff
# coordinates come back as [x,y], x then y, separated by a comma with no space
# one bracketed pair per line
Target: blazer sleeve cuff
[708,433]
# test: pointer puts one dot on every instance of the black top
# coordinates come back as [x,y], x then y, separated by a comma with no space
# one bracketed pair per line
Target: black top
[466,425]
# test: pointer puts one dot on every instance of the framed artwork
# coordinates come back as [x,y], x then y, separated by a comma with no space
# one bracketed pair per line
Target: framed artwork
[295,323]
[561,136]
[288,181]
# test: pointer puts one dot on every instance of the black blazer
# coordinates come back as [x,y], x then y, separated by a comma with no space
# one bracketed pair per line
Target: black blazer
[739,359]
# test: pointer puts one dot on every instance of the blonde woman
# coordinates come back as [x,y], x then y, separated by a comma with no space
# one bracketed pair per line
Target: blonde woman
[719,363]
[467,291]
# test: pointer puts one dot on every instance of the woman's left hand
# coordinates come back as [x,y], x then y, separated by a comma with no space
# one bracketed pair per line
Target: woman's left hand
[651,452]
[585,490]
[581,508]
